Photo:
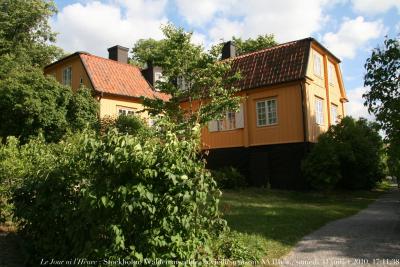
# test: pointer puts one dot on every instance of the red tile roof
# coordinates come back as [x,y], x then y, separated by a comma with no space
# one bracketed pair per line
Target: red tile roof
[282,63]
[112,77]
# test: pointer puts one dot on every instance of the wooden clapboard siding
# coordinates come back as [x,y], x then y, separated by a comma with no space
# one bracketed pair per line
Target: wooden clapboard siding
[319,86]
[78,71]
[289,128]
[109,106]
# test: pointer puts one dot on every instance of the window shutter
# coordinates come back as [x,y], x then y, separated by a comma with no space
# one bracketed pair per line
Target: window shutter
[212,126]
[239,117]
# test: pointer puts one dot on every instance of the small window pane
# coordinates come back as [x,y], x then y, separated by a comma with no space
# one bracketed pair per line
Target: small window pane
[272,116]
[319,115]
[67,76]
[261,114]
[331,74]
[334,114]
[317,64]
[125,111]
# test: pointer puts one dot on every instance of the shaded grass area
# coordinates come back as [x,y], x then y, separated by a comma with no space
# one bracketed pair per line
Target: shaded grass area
[10,249]
[271,222]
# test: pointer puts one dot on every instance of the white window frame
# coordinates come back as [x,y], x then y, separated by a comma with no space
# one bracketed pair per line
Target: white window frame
[231,121]
[228,122]
[182,84]
[319,110]
[317,64]
[266,110]
[334,114]
[331,73]
[67,76]
[127,111]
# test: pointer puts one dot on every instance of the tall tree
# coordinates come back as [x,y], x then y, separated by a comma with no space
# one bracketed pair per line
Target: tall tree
[25,34]
[194,76]
[251,45]
[246,46]
[383,96]
[147,50]
[30,102]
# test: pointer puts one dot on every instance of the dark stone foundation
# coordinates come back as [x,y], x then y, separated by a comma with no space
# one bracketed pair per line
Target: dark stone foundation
[278,166]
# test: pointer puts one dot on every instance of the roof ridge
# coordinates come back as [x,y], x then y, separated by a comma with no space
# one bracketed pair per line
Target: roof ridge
[272,47]
[111,60]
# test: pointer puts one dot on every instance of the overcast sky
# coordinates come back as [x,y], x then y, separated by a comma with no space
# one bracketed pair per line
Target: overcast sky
[349,28]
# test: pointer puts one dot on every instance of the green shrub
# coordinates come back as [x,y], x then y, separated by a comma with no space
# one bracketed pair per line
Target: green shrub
[229,178]
[125,124]
[322,166]
[348,156]
[120,196]
[130,124]
[16,162]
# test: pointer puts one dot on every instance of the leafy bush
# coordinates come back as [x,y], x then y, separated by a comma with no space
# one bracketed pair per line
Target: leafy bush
[130,124]
[322,166]
[348,156]
[120,196]
[31,103]
[230,245]
[16,162]
[82,110]
[229,178]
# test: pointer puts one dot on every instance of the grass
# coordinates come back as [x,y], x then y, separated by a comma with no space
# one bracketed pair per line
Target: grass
[271,222]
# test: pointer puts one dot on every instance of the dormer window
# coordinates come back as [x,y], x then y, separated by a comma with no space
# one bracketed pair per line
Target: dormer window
[317,64]
[158,77]
[183,84]
[331,73]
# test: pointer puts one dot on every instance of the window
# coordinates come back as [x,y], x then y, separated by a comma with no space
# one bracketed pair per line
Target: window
[232,120]
[317,64]
[183,84]
[266,112]
[125,111]
[334,114]
[228,123]
[319,111]
[67,76]
[331,73]
[81,81]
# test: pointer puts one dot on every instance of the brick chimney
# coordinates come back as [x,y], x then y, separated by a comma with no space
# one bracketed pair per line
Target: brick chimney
[118,53]
[228,50]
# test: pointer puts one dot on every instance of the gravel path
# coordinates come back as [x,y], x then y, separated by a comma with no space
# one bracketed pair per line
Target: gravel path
[369,238]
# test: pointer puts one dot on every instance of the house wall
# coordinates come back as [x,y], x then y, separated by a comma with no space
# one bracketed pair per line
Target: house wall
[78,72]
[289,128]
[109,106]
[331,92]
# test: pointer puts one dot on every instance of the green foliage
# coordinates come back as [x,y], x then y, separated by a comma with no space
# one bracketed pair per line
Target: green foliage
[383,96]
[131,124]
[31,103]
[208,91]
[147,51]
[233,246]
[25,33]
[250,45]
[83,110]
[322,165]
[120,196]
[229,178]
[348,156]
[246,46]
[16,162]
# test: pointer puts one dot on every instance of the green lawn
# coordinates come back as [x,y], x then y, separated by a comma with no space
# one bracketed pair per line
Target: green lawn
[271,222]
